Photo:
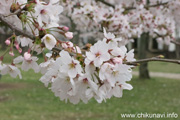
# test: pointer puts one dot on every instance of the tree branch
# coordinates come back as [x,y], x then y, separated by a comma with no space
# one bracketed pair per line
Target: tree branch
[148,6]
[131,8]
[15,29]
[106,3]
[175,42]
[152,59]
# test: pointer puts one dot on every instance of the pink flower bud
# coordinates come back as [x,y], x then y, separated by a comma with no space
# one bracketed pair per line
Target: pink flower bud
[69,35]
[69,44]
[17,46]
[65,28]
[117,60]
[1,58]
[64,45]
[8,42]
[20,50]
[76,50]
[27,56]
[11,53]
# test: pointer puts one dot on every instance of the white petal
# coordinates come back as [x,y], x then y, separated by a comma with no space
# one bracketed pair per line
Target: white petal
[18,59]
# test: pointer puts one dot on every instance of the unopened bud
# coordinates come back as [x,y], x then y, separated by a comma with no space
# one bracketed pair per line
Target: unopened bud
[117,60]
[88,45]
[11,53]
[17,46]
[69,44]
[69,35]
[64,45]
[1,58]
[14,7]
[65,28]
[76,50]
[20,50]
[27,56]
[8,42]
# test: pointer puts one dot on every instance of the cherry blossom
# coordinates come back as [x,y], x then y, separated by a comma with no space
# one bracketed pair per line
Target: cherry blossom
[28,62]
[10,69]
[98,53]
[76,73]
[49,41]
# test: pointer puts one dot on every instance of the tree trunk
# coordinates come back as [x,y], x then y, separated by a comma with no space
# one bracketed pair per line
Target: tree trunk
[178,50]
[142,51]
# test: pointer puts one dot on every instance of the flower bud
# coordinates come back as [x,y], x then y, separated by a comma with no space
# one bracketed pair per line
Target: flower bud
[69,35]
[14,7]
[17,46]
[27,56]
[1,58]
[117,60]
[11,53]
[8,42]
[20,50]
[69,44]
[65,28]
[76,50]
[64,45]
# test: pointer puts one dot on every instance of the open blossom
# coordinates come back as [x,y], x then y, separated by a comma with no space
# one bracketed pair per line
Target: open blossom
[130,55]
[98,53]
[49,41]
[117,91]
[69,64]
[10,69]
[28,62]
[50,74]
[64,87]
[47,13]
[24,41]
[46,65]
[115,73]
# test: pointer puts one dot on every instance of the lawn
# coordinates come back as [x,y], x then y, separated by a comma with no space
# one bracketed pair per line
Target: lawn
[28,99]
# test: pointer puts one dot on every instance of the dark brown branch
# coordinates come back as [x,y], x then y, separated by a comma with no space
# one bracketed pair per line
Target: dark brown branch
[131,8]
[106,3]
[148,6]
[152,59]
[15,29]
[57,49]
[175,42]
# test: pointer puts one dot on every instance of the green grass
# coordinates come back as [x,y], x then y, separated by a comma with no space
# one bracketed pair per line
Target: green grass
[162,67]
[28,99]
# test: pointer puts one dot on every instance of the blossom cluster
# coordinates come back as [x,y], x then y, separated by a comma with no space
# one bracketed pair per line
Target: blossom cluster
[100,73]
[75,74]
[128,19]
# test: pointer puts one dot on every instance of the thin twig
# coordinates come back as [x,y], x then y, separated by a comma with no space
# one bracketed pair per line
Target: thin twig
[152,59]
[106,3]
[175,42]
[131,8]
[148,6]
